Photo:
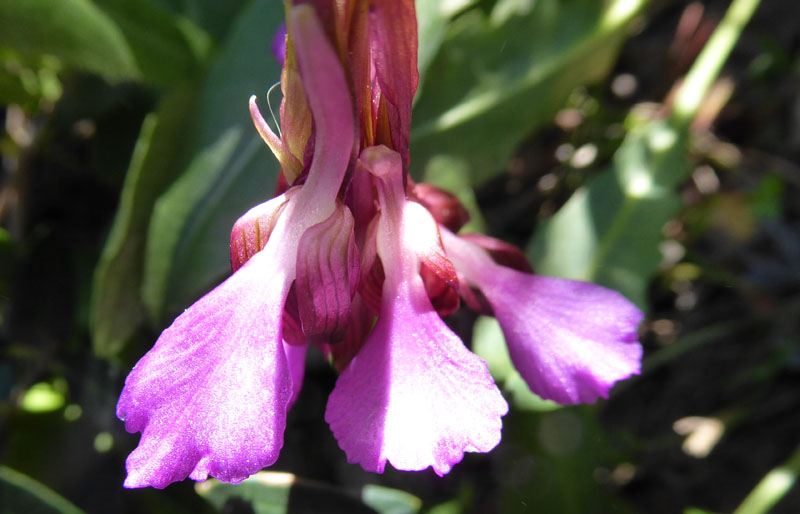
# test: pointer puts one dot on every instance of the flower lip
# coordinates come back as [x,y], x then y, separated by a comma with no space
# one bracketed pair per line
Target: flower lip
[413,395]
[571,341]
[210,397]
[327,275]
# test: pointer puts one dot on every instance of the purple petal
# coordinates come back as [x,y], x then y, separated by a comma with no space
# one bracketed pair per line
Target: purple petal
[210,398]
[414,395]
[571,341]
[278,44]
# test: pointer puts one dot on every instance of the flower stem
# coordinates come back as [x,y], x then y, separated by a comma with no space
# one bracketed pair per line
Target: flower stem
[772,487]
[709,63]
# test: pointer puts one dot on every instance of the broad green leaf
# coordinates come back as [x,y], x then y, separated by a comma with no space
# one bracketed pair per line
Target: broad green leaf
[497,77]
[271,492]
[432,21]
[116,305]
[609,230]
[225,169]
[78,32]
[20,493]
[214,16]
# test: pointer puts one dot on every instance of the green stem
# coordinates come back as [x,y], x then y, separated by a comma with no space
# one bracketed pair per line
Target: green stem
[710,61]
[772,487]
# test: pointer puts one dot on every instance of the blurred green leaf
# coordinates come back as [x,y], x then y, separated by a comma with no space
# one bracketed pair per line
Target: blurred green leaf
[118,39]
[76,31]
[6,266]
[609,230]
[433,19]
[497,78]
[225,169]
[214,16]
[772,488]
[22,494]
[44,397]
[270,492]
[449,507]
[390,501]
[555,463]
[766,201]
[25,84]
[168,49]
[117,309]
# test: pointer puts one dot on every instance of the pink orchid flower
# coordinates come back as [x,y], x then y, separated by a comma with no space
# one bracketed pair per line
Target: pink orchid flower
[354,258]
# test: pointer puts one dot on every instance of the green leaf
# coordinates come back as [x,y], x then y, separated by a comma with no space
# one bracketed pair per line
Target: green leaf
[772,488]
[432,22]
[390,501]
[609,230]
[76,31]
[225,169]
[497,78]
[168,49]
[116,305]
[215,17]
[270,492]
[44,397]
[551,463]
[118,39]
[20,493]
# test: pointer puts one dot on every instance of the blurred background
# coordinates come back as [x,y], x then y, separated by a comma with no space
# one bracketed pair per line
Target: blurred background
[565,126]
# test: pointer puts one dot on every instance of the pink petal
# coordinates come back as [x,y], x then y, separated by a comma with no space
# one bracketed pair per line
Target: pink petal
[210,398]
[253,229]
[328,97]
[571,341]
[426,242]
[393,45]
[290,165]
[414,395]
[501,252]
[296,359]
[296,120]
[327,274]
[444,206]
[359,326]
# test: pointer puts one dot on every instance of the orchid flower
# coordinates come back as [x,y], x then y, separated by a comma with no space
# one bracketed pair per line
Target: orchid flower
[353,257]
